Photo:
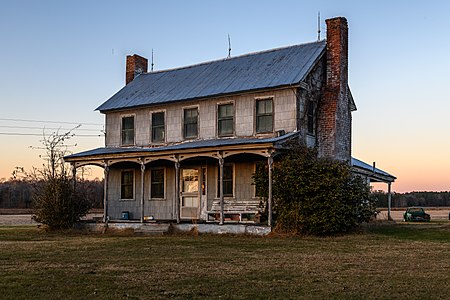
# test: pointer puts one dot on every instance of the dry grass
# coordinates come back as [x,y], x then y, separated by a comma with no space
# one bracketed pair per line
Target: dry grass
[386,261]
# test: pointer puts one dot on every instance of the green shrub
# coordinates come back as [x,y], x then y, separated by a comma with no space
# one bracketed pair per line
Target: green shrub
[314,195]
[58,204]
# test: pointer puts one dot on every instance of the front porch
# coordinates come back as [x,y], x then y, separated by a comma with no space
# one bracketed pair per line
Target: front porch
[195,182]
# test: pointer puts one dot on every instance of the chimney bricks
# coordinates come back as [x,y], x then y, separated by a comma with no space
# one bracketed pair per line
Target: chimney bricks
[334,134]
[136,65]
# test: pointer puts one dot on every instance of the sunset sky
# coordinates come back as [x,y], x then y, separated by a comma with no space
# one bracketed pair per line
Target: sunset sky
[59,60]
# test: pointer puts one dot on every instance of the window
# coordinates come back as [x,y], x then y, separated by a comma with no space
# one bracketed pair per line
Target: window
[190,123]
[264,116]
[127,185]
[128,130]
[227,181]
[310,117]
[157,183]
[158,127]
[225,119]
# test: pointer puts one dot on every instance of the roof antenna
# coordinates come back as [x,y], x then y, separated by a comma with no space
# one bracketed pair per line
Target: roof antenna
[318,26]
[152,61]
[229,46]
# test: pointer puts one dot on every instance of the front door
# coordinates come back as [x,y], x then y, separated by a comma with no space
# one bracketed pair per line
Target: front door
[190,194]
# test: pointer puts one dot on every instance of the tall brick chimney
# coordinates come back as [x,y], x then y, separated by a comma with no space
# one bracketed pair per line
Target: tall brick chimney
[334,115]
[136,65]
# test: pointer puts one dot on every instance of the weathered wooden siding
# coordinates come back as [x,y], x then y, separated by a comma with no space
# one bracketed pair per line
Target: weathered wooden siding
[163,209]
[284,117]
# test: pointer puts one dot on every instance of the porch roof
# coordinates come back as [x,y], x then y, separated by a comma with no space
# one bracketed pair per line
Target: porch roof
[210,143]
[375,174]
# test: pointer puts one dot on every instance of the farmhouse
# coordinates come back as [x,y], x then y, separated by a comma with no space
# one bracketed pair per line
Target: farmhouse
[182,144]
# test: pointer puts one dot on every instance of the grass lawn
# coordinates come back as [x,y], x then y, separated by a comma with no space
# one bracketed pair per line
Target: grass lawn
[383,261]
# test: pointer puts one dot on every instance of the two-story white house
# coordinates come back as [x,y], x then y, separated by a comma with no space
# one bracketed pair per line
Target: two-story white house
[182,144]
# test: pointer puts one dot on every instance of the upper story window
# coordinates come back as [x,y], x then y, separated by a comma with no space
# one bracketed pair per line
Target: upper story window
[158,126]
[157,183]
[264,115]
[128,130]
[225,119]
[127,185]
[190,129]
[310,117]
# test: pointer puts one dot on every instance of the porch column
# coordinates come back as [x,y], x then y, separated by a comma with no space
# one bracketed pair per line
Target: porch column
[74,175]
[105,193]
[142,190]
[269,198]
[177,190]
[221,188]
[389,194]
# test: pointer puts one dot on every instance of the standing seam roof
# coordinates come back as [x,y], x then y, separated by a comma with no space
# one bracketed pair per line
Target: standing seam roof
[266,69]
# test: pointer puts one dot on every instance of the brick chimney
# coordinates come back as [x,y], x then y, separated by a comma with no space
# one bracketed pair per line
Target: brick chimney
[136,65]
[334,115]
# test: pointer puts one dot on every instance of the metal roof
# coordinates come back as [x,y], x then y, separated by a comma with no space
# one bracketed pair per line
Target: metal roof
[366,167]
[183,146]
[254,71]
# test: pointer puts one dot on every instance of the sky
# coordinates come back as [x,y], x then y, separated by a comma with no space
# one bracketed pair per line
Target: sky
[59,60]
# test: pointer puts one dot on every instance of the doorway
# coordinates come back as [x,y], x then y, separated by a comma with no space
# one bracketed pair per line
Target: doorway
[190,193]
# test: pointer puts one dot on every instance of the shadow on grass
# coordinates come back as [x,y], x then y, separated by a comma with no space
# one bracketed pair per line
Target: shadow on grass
[433,232]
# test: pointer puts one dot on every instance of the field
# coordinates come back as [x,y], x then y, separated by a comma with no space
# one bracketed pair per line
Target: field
[382,261]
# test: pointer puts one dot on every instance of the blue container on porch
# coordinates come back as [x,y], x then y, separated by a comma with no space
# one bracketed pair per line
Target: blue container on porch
[125,215]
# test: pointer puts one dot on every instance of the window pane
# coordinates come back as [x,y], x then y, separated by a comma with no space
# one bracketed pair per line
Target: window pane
[157,183]
[227,181]
[225,118]
[190,122]
[158,119]
[126,190]
[127,130]
[264,116]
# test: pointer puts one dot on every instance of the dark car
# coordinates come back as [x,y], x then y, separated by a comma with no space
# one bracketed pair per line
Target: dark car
[416,214]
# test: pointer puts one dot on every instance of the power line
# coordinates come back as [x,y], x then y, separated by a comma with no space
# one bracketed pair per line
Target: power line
[47,121]
[47,128]
[37,134]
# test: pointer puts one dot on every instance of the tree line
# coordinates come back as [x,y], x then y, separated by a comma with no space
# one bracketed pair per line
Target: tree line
[18,193]
[427,199]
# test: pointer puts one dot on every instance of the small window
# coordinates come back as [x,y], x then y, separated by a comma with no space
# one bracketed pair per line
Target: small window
[158,127]
[127,185]
[227,181]
[264,116]
[128,131]
[190,123]
[310,117]
[225,119]
[157,183]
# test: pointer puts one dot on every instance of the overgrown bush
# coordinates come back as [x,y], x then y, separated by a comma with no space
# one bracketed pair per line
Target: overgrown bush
[314,195]
[58,204]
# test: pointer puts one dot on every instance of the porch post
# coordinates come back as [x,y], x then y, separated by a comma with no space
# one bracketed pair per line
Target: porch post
[389,201]
[74,175]
[105,193]
[269,198]
[177,190]
[221,188]
[142,190]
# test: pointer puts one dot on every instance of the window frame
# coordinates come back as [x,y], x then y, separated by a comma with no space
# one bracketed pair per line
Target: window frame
[122,117]
[133,184]
[219,119]
[272,114]
[233,180]
[163,182]
[183,124]
[153,141]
